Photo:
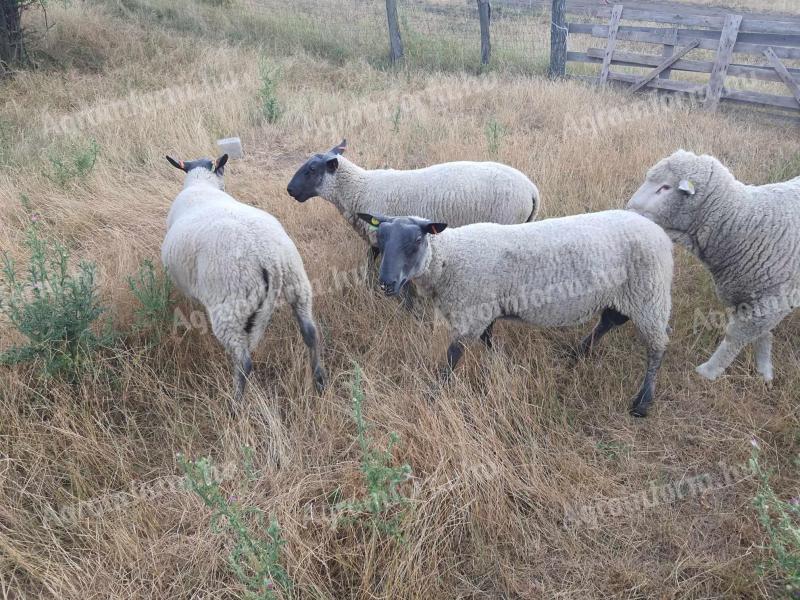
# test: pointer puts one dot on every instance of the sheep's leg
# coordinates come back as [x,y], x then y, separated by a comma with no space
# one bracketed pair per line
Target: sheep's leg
[486,336]
[231,333]
[609,319]
[454,353]
[652,327]
[641,402]
[242,367]
[372,271]
[407,297]
[308,329]
[742,329]
[763,351]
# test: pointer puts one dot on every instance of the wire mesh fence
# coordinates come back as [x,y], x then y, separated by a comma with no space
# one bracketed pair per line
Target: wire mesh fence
[438,34]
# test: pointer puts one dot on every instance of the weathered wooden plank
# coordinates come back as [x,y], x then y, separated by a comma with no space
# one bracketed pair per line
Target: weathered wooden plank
[632,59]
[709,40]
[663,65]
[784,74]
[669,50]
[749,24]
[763,99]
[760,39]
[673,85]
[747,97]
[613,26]
[724,55]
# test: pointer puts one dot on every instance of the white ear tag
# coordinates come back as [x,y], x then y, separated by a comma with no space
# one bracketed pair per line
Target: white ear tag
[687,186]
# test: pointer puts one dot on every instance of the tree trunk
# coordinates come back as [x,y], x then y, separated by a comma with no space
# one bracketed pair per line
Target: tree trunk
[395,42]
[558,40]
[485,15]
[11,48]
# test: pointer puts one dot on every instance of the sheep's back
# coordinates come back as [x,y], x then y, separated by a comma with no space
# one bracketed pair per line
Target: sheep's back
[220,252]
[458,193]
[556,271]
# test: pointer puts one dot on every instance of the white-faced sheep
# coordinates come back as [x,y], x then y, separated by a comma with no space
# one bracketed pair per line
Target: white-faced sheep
[459,193]
[747,236]
[236,260]
[550,273]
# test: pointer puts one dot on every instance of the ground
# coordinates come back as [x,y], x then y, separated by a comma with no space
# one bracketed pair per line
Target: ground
[502,461]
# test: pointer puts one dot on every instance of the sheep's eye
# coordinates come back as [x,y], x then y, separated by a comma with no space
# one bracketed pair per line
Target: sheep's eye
[312,169]
[418,241]
[664,188]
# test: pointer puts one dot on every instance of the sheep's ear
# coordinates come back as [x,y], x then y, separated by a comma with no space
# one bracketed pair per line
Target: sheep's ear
[332,164]
[178,164]
[373,221]
[340,147]
[687,186]
[434,228]
[219,166]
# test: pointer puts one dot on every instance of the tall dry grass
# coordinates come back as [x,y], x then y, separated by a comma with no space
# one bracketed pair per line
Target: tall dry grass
[520,435]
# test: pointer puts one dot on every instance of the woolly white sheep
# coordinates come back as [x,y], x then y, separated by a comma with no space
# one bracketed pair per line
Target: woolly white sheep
[459,193]
[550,273]
[747,236]
[236,260]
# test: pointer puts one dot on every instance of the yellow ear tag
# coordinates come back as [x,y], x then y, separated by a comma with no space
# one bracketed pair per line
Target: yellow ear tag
[375,222]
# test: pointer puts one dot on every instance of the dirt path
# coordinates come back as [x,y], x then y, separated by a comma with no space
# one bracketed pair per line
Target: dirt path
[665,6]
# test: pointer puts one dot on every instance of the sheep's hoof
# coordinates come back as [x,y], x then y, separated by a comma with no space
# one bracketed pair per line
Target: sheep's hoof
[320,380]
[767,374]
[641,403]
[708,372]
[638,410]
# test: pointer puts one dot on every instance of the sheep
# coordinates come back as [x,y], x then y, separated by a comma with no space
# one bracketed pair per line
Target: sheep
[459,193]
[236,260]
[748,238]
[549,273]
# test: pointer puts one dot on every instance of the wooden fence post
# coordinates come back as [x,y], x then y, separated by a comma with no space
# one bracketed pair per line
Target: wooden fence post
[558,39]
[395,42]
[485,15]
[727,40]
[611,43]
[669,50]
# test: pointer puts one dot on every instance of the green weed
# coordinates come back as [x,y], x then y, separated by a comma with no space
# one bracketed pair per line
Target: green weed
[56,309]
[256,558]
[154,293]
[780,519]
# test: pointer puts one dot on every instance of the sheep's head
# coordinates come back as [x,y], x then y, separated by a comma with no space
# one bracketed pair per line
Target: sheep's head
[317,175]
[203,168]
[403,242]
[674,190]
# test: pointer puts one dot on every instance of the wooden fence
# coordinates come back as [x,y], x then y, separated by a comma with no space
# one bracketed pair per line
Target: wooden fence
[679,35]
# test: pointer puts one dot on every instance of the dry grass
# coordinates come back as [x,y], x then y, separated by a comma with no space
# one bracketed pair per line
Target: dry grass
[521,433]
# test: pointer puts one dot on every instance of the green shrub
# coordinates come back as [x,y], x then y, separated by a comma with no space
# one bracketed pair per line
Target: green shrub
[256,560]
[494,136]
[383,482]
[57,310]
[269,75]
[780,519]
[75,162]
[154,293]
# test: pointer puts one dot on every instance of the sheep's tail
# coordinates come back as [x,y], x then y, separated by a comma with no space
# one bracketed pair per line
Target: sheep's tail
[536,204]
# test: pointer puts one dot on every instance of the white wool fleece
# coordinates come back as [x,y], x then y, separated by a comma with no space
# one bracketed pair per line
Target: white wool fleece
[457,193]
[747,236]
[234,259]
[552,273]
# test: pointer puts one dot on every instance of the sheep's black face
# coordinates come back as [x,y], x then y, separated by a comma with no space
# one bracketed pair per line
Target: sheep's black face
[403,242]
[316,176]
[310,178]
